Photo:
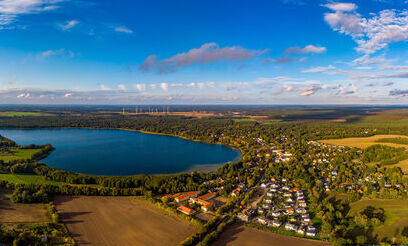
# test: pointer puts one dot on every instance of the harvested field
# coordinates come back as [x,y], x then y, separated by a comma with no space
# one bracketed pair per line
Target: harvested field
[239,235]
[20,213]
[364,142]
[106,221]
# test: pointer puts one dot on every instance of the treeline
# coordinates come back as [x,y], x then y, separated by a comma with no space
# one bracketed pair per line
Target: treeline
[385,155]
[159,184]
[398,140]
[73,189]
[21,195]
[209,232]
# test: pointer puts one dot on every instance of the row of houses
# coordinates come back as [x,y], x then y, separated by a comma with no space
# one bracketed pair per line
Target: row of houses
[285,205]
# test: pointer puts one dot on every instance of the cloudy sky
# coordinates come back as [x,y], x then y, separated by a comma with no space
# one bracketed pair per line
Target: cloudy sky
[204,52]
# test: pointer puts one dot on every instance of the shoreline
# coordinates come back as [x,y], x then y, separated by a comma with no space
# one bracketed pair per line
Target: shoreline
[204,168]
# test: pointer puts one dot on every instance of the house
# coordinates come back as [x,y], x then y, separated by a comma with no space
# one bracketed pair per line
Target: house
[269,194]
[301,231]
[274,185]
[276,214]
[236,192]
[262,221]
[301,210]
[287,205]
[276,223]
[207,207]
[186,196]
[302,204]
[261,210]
[285,188]
[291,227]
[290,211]
[266,206]
[287,194]
[289,199]
[304,216]
[246,214]
[208,196]
[268,201]
[311,231]
[186,210]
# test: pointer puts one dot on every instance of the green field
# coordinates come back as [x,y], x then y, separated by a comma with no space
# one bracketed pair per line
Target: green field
[240,120]
[18,154]
[396,215]
[27,179]
[364,142]
[20,114]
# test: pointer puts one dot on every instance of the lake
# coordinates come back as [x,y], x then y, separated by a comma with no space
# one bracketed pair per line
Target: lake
[119,152]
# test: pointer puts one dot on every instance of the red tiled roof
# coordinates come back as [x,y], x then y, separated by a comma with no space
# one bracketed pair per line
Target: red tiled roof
[185,210]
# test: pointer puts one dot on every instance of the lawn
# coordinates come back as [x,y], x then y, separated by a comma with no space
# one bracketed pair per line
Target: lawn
[396,212]
[20,114]
[27,179]
[18,154]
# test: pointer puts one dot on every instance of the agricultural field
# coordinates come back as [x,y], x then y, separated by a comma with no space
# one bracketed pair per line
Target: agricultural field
[396,215]
[27,179]
[239,235]
[21,213]
[365,142]
[18,154]
[99,221]
[20,114]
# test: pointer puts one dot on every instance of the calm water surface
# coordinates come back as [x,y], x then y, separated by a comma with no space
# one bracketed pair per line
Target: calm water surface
[117,152]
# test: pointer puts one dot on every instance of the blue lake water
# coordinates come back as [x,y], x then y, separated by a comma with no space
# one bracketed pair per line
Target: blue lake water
[118,152]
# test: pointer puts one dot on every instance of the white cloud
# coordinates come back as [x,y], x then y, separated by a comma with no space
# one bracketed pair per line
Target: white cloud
[68,25]
[346,7]
[23,95]
[53,52]
[373,33]
[393,67]
[68,95]
[207,53]
[307,49]
[164,86]
[308,91]
[140,87]
[122,87]
[319,69]
[123,29]
[11,9]
[104,88]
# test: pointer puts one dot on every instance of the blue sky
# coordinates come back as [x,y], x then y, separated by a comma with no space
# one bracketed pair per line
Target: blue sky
[204,52]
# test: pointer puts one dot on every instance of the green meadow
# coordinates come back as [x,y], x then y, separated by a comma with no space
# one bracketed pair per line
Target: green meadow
[396,215]
[27,179]
[18,154]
